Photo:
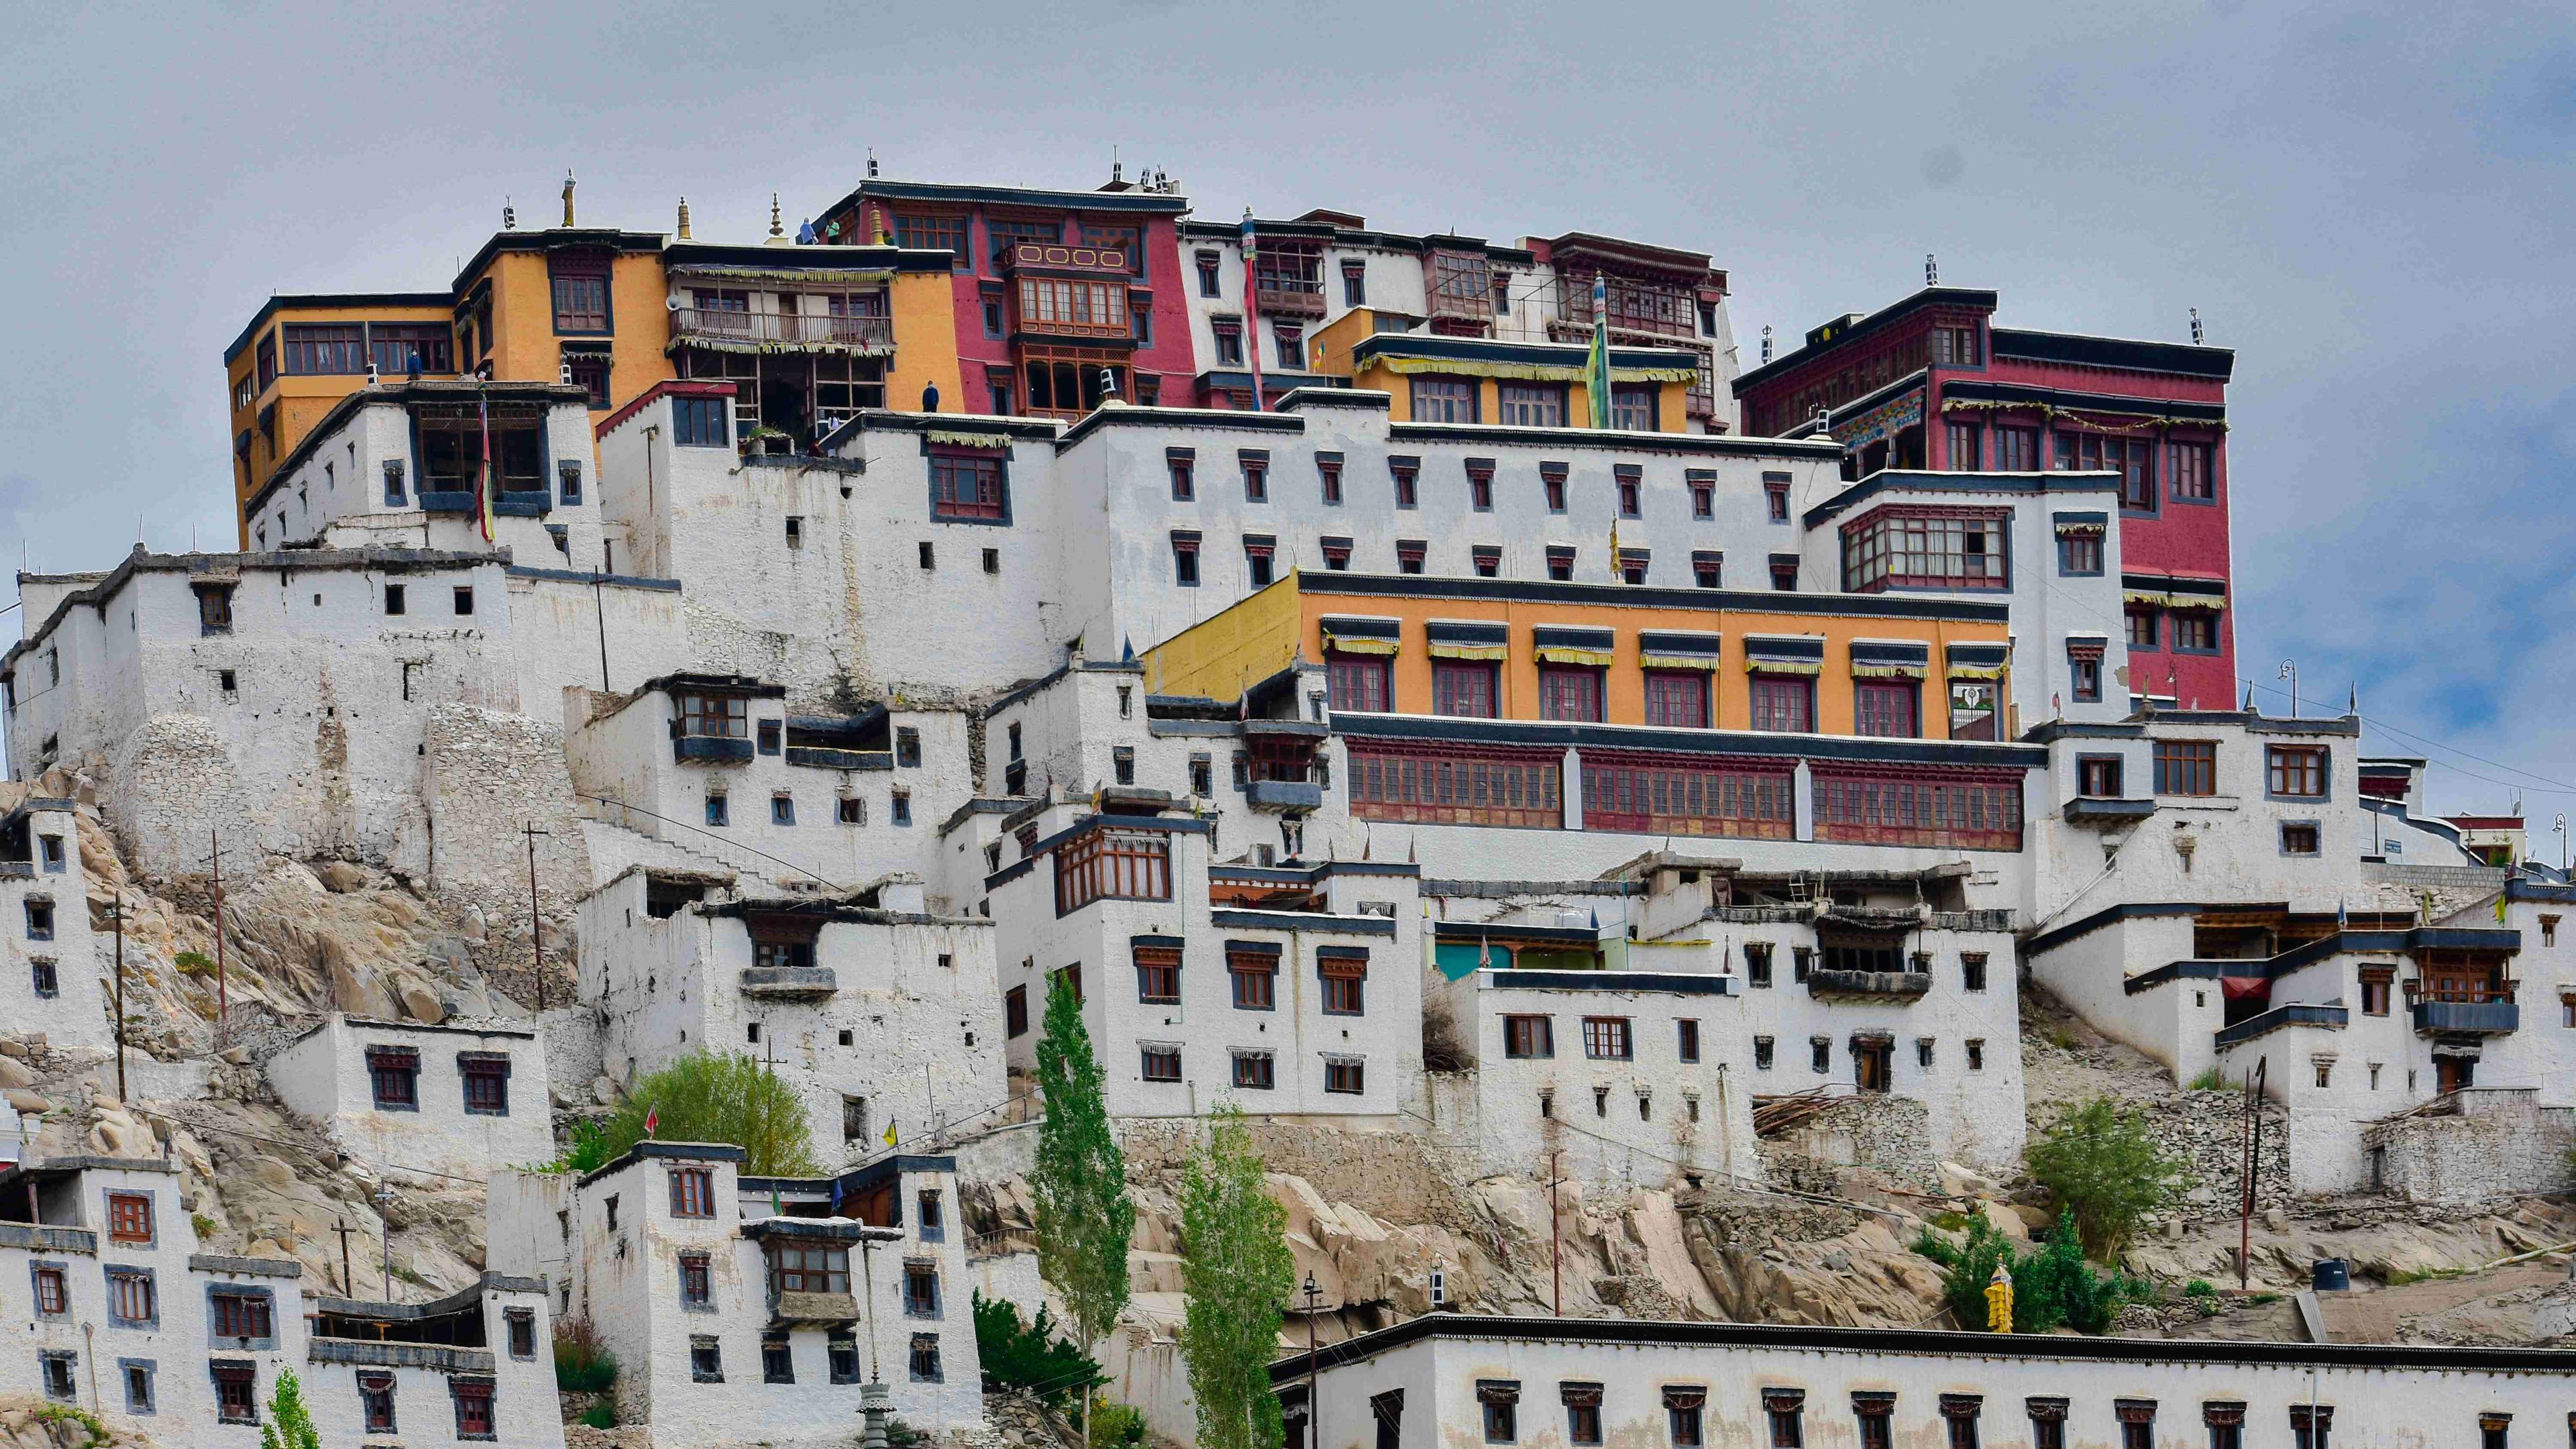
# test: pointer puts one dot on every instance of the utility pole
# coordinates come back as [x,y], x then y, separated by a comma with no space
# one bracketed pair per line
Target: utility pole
[599,605]
[1314,1406]
[536,923]
[2254,1082]
[384,1201]
[1555,1251]
[223,997]
[116,916]
[348,1282]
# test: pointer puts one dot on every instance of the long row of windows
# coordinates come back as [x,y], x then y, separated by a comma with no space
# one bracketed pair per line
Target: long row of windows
[1252,978]
[1673,698]
[323,349]
[2185,631]
[2190,767]
[1485,560]
[2184,468]
[1874,1414]
[1926,549]
[1404,473]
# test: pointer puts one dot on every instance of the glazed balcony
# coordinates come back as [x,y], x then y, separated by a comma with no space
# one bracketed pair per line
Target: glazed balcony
[1283,796]
[2477,1014]
[782,332]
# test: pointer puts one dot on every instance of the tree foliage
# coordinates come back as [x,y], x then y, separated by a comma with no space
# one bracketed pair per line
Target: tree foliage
[2101,1163]
[1030,1355]
[1238,1272]
[2053,1287]
[289,1424]
[714,1097]
[1084,1220]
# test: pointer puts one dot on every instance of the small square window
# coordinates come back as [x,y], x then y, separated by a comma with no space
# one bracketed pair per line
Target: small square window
[2299,837]
[769,736]
[716,809]
[464,600]
[923,1361]
[782,809]
[706,1359]
[1976,1054]
[777,1364]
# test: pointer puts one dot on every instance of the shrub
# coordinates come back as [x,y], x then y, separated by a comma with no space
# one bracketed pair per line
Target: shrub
[585,1149]
[583,1365]
[602,1415]
[717,1097]
[2199,1288]
[1115,1426]
[2102,1165]
[2053,1287]
[2210,1080]
[1031,1356]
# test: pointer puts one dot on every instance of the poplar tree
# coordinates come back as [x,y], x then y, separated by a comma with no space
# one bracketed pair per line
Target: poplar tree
[1238,1272]
[1084,1220]
[290,1424]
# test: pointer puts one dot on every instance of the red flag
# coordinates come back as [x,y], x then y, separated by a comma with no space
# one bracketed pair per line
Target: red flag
[652,1122]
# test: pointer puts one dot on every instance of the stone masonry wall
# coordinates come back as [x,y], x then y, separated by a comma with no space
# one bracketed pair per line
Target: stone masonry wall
[486,776]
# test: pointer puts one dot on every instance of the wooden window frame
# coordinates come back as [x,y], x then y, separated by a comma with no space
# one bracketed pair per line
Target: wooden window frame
[693,1192]
[2187,768]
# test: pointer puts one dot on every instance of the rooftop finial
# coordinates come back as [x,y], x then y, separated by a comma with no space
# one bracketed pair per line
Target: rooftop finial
[1766,342]
[509,215]
[684,218]
[774,228]
[1931,270]
[872,163]
[2195,327]
[567,196]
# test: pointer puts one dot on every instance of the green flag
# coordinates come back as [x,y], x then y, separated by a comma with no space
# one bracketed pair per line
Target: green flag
[1596,368]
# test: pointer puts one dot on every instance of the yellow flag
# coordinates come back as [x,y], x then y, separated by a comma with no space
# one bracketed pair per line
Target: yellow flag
[2499,908]
[889,1134]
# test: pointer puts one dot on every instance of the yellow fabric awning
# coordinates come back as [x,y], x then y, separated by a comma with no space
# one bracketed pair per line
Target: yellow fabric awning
[1561,654]
[1440,650]
[1783,666]
[1976,671]
[1677,661]
[1889,671]
[1345,644]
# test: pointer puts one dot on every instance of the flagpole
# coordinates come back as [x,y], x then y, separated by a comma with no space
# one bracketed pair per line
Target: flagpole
[1598,373]
[1251,312]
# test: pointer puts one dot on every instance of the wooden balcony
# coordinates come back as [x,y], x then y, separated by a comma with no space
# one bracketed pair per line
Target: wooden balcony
[1289,297]
[782,332]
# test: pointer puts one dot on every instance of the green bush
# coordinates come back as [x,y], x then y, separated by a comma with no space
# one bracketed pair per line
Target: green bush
[1115,1426]
[713,1097]
[2199,1288]
[602,1415]
[2101,1163]
[2210,1080]
[583,1365]
[1031,1356]
[2053,1287]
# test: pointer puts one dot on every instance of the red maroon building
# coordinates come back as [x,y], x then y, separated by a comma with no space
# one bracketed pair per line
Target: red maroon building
[1051,286]
[1931,382]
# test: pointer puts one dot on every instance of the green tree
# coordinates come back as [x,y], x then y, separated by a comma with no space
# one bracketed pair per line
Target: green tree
[1084,1220]
[289,1425]
[2053,1287]
[1238,1272]
[2101,1163]
[1021,1355]
[718,1097]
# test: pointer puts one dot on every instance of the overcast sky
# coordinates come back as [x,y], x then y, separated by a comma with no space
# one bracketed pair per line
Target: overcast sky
[2373,205]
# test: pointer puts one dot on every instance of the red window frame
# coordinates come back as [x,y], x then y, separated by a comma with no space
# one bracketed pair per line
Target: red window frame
[1690,795]
[693,1192]
[1887,709]
[236,1394]
[1529,1038]
[967,486]
[1345,981]
[473,1409]
[1570,692]
[1890,805]
[1158,974]
[1456,785]
[581,302]
[2186,767]
[1927,546]
[1118,865]
[240,1315]
[2295,772]
[1359,683]
[1783,703]
[324,349]
[2187,471]
[1160,1063]
[2194,630]
[1466,688]
[1346,1078]
[486,1085]
[129,1217]
[53,1292]
[1677,699]
[1253,977]
[695,1286]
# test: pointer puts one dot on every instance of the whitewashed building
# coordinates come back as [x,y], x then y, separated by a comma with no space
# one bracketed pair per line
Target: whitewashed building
[51,981]
[1445,1379]
[879,1015]
[754,1310]
[450,1100]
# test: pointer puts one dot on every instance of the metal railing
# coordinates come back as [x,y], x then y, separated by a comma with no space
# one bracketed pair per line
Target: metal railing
[782,327]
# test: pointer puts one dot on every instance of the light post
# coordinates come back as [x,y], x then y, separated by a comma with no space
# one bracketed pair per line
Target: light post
[875,1403]
[1314,1406]
[383,1198]
[2290,671]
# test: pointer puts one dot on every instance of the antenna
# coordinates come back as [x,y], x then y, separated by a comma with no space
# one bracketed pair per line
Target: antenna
[1931,270]
[1766,342]
[2195,327]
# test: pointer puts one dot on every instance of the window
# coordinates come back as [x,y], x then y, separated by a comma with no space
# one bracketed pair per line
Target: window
[215,610]
[1344,971]
[1635,409]
[486,1078]
[1820,1054]
[396,599]
[1529,405]
[1202,776]
[2128,457]
[2137,1422]
[48,981]
[2299,837]
[1406,473]
[1962,438]
[1253,1071]
[1569,692]
[322,349]
[53,1293]
[907,747]
[1501,1403]
[1409,554]
[1950,549]
[1105,864]
[239,1315]
[967,488]
[1677,699]
[396,346]
[1256,474]
[2296,772]
[2016,450]
[2098,776]
[2142,629]
[899,806]
[395,1074]
[1784,575]
[923,1361]
[581,304]
[1757,963]
[2549,930]
[1682,1410]
[1560,563]
[376,1401]
[1783,704]
[2311,1425]
[1707,568]
[699,422]
[1551,478]
[1775,497]
[2079,553]
[1158,974]
[1354,284]
[815,1268]
[1257,550]
[1345,1076]
[706,1359]
[2491,1430]
[717,808]
[129,1217]
[1487,559]
[1359,683]
[1582,1412]
[2186,767]
[1606,1038]
[1955,347]
[40,920]
[1688,1032]
[1181,461]
[777,1364]
[2187,472]
[1229,343]
[1875,1413]
[1464,688]
[129,1299]
[693,1192]
[1328,470]
[523,1332]
[1015,1011]
[1629,481]
[2084,677]
[1207,270]
[1290,343]
[1785,1409]
[1122,764]
[1886,709]
[236,1392]
[1444,400]
[1529,1036]
[1161,1063]
[1254,976]
[138,1388]
[464,602]
[2226,1421]
[2048,1423]
[2195,631]
[2375,990]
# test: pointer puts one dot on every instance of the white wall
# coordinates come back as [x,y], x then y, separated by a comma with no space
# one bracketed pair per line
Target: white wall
[324,1076]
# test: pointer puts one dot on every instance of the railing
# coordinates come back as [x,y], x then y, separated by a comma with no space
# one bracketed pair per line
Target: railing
[1289,296]
[783,327]
[1872,985]
[792,981]
[1659,311]
[2483,1013]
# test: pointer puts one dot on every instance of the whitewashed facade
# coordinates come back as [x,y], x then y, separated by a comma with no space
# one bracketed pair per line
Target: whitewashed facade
[450,1100]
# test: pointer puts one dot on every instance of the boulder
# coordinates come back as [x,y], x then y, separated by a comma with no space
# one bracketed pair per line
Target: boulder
[1960,1181]
[422,1004]
[15,1074]
[341,877]
[29,1103]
